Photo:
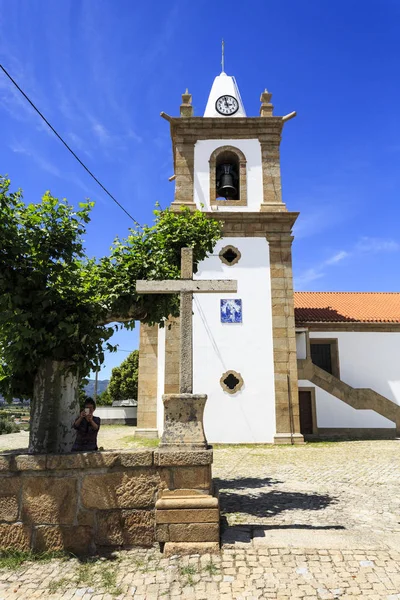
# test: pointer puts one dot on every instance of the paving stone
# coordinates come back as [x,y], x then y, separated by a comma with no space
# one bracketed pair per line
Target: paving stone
[308,522]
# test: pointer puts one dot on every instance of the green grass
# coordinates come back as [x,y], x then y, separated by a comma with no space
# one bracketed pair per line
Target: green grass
[188,572]
[58,585]
[140,442]
[13,559]
[109,581]
[211,568]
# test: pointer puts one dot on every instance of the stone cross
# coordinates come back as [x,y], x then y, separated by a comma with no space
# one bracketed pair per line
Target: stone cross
[186,286]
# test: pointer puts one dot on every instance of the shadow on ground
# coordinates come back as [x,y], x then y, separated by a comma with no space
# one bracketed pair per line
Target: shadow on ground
[244,496]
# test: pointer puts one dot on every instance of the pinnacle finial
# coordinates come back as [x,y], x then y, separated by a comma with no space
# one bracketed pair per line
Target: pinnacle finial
[266,106]
[223,57]
[186,106]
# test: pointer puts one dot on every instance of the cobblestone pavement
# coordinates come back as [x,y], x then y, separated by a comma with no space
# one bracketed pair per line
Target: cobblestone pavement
[315,522]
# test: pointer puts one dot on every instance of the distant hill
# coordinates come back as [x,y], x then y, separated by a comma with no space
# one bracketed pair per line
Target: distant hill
[102,385]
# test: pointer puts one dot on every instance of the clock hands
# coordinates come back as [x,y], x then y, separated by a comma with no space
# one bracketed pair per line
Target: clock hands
[227,105]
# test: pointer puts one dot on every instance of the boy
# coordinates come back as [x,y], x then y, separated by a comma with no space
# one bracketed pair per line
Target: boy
[87,427]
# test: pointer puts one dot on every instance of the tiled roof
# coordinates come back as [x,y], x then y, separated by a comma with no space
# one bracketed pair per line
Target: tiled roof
[339,307]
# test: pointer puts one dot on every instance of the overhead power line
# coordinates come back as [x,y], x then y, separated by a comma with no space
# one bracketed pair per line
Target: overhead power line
[68,147]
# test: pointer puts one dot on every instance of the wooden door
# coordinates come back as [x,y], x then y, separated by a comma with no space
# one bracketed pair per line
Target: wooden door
[306,418]
[321,356]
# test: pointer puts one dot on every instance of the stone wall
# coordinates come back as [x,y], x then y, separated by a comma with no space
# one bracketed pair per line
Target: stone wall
[85,502]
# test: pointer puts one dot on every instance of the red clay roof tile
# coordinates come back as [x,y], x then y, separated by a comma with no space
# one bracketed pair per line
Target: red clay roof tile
[361,307]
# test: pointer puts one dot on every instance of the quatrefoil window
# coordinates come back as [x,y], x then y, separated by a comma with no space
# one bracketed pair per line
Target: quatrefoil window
[231,382]
[230,255]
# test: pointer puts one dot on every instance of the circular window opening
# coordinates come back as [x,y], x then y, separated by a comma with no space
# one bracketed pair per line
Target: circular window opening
[230,255]
[231,382]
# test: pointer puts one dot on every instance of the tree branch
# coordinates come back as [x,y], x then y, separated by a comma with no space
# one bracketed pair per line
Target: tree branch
[133,314]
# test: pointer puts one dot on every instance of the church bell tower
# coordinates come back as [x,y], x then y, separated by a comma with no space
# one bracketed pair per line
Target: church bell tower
[244,351]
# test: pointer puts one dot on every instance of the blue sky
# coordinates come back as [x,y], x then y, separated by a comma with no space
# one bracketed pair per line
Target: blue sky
[102,71]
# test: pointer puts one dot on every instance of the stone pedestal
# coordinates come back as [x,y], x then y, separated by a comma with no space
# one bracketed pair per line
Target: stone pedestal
[187,513]
[183,422]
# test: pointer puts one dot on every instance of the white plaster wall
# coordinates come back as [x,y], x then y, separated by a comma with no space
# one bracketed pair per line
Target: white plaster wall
[223,84]
[249,415]
[160,379]
[252,151]
[301,344]
[332,412]
[368,360]
[116,412]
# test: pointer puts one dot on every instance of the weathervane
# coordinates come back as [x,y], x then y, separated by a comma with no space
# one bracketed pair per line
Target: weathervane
[223,57]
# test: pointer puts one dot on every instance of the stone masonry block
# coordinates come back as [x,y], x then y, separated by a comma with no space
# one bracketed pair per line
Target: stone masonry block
[204,515]
[192,477]
[136,489]
[15,537]
[183,457]
[162,532]
[141,458]
[72,539]
[8,508]
[109,528]
[194,532]
[50,500]
[5,462]
[138,528]
[126,527]
[9,494]
[26,462]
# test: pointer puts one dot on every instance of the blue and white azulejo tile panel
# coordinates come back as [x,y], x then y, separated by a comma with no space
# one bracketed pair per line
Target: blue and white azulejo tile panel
[231,311]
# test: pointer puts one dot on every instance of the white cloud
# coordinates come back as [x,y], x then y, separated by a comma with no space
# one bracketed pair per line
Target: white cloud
[101,132]
[337,257]
[307,277]
[375,245]
[41,162]
[318,271]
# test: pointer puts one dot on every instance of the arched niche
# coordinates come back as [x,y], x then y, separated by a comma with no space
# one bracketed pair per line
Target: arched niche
[228,153]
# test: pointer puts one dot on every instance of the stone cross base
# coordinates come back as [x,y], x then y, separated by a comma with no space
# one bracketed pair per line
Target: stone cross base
[183,422]
[187,513]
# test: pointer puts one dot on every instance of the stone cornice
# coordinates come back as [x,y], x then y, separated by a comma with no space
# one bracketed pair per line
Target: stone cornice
[254,223]
[256,125]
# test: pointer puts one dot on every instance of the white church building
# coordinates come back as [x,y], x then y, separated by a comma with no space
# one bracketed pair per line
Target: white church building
[277,366]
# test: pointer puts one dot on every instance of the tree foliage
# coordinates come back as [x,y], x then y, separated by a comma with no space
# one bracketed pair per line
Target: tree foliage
[124,379]
[104,398]
[57,303]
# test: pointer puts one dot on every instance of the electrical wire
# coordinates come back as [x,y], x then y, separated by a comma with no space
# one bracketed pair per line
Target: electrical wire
[68,147]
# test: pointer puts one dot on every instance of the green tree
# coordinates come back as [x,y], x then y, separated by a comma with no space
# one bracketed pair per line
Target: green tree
[56,304]
[104,398]
[124,379]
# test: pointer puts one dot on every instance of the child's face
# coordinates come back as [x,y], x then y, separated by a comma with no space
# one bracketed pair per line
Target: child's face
[88,409]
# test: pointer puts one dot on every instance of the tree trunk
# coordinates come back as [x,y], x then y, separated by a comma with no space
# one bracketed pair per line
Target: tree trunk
[55,406]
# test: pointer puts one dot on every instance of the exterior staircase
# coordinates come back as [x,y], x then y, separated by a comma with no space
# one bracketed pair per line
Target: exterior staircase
[358,398]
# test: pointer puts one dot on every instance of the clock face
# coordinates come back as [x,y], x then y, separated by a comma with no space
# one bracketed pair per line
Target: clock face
[227,105]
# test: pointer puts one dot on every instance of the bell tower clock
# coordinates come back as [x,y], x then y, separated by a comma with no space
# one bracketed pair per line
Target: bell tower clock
[244,349]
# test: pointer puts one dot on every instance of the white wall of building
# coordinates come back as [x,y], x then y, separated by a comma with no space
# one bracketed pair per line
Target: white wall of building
[116,413]
[333,413]
[249,415]
[301,344]
[252,151]
[366,360]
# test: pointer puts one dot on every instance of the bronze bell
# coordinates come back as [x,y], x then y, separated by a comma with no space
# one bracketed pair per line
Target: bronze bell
[226,181]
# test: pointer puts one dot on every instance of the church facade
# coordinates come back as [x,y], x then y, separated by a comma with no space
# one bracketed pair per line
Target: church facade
[268,378]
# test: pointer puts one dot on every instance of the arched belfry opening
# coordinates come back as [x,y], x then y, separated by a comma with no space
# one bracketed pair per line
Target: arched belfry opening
[228,177]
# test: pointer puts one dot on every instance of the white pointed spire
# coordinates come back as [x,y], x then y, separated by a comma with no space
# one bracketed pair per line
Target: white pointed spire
[224,85]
